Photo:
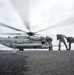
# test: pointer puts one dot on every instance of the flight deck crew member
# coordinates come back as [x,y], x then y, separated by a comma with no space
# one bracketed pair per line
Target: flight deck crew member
[61,38]
[70,40]
[49,41]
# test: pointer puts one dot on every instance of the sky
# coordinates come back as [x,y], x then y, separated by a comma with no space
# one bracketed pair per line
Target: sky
[45,13]
[39,14]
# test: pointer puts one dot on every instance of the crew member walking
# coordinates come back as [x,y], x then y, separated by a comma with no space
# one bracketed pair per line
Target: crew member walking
[61,39]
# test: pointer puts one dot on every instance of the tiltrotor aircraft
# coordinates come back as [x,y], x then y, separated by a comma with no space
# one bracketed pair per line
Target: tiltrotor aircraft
[30,40]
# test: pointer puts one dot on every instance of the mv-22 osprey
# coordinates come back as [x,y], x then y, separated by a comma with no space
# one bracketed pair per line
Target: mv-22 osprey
[31,40]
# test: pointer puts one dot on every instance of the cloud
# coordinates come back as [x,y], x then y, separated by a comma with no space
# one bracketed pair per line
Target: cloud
[9,16]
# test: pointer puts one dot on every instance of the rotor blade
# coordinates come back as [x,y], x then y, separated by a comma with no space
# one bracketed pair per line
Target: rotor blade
[23,9]
[2,24]
[45,34]
[63,23]
[27,25]
[10,33]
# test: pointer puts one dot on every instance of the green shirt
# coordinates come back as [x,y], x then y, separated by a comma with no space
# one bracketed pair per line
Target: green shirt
[48,39]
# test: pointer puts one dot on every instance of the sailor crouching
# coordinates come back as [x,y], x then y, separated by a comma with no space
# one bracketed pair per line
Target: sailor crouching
[49,41]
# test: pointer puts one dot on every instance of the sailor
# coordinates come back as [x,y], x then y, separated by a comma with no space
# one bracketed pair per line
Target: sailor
[61,38]
[49,41]
[70,40]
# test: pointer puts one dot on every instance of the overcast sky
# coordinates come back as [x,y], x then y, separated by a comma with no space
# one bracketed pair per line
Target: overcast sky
[44,13]
[40,14]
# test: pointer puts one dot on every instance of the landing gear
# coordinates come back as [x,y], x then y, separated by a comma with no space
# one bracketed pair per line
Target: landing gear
[21,49]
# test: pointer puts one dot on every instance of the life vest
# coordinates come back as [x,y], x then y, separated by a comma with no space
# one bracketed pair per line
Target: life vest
[70,39]
[59,36]
[48,39]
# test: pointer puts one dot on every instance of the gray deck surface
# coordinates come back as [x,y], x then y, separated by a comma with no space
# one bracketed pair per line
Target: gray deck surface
[37,63]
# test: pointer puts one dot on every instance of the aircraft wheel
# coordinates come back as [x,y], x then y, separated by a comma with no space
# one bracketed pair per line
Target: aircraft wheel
[21,49]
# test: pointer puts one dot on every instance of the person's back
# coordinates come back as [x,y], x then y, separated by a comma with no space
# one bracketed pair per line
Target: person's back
[70,39]
[60,37]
